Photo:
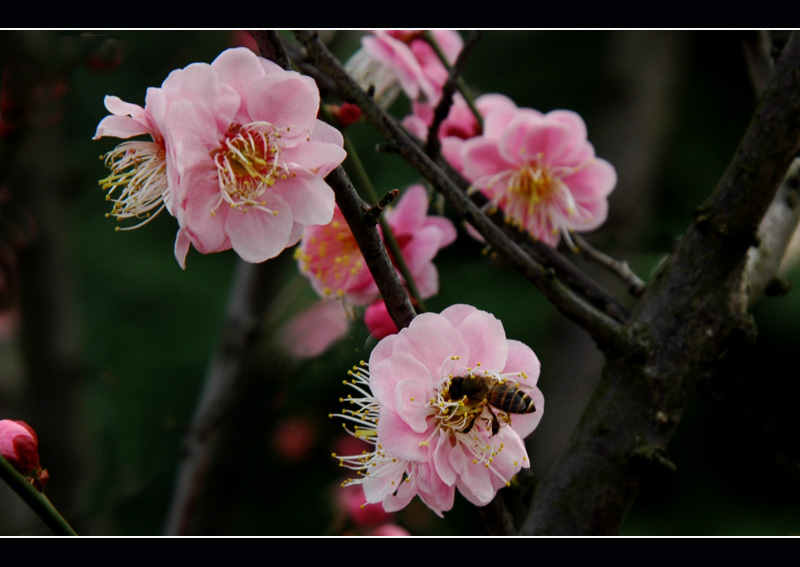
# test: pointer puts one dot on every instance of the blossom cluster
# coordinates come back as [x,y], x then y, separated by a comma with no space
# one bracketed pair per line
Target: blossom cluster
[329,257]
[394,60]
[237,156]
[426,440]
[539,169]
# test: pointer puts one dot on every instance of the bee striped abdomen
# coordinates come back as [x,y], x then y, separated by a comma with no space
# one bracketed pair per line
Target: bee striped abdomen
[508,397]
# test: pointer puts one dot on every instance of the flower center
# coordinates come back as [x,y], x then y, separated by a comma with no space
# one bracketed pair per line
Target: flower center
[536,199]
[138,181]
[332,256]
[533,185]
[248,164]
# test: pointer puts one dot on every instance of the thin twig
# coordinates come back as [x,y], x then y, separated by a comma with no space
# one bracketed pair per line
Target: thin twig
[36,500]
[376,210]
[547,256]
[362,225]
[432,144]
[354,162]
[462,86]
[619,269]
[271,47]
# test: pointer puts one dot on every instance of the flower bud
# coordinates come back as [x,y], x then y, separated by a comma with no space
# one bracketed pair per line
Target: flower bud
[20,447]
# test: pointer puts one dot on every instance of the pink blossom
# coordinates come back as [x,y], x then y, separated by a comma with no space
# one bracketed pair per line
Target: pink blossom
[20,447]
[314,330]
[246,155]
[351,502]
[329,256]
[426,442]
[391,57]
[237,156]
[541,171]
[378,320]
[138,181]
[389,530]
[460,124]
[294,438]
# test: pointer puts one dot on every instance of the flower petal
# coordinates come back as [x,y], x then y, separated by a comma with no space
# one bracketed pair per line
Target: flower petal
[257,235]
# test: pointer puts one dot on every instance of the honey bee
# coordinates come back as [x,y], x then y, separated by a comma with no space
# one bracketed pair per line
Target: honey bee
[478,392]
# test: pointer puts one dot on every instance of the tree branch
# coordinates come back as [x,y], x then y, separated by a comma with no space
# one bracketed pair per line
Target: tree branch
[362,225]
[604,329]
[688,314]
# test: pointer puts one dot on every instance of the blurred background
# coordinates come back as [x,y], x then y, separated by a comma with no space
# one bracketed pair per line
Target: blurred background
[105,342]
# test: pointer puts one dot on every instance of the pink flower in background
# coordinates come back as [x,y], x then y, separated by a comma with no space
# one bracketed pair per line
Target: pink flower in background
[390,58]
[310,333]
[389,530]
[138,182]
[329,256]
[427,439]
[351,502]
[541,171]
[294,438]
[247,155]
[20,447]
[378,320]
[460,124]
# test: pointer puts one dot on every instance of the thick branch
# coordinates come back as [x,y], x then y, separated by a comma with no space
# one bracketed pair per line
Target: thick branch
[252,287]
[688,314]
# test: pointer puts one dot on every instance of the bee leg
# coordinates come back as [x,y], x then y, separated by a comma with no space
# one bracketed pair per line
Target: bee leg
[470,423]
[495,423]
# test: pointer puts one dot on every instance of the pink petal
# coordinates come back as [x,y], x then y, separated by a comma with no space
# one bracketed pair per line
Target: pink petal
[399,440]
[550,141]
[486,338]
[387,373]
[521,358]
[481,158]
[182,244]
[427,280]
[593,182]
[382,350]
[441,460]
[119,127]
[457,313]
[320,158]
[257,235]
[379,487]
[308,197]
[597,213]
[432,340]
[296,234]
[285,100]
[410,211]
[378,320]
[411,397]
[324,132]
[239,68]
[311,332]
